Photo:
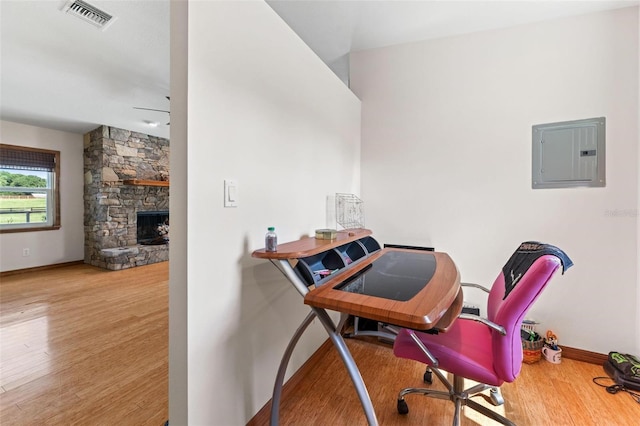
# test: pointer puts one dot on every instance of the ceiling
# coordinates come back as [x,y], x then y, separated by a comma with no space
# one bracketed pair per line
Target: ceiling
[59,72]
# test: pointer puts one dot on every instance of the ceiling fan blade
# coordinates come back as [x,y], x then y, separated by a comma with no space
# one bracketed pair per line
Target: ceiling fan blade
[151,109]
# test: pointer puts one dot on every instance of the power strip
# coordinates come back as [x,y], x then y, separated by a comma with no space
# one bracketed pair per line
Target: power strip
[470,309]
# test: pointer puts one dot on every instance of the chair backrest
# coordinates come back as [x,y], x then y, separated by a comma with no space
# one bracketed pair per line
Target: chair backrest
[509,311]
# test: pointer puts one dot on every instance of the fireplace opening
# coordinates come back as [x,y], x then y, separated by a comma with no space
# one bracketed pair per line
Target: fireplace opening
[153,227]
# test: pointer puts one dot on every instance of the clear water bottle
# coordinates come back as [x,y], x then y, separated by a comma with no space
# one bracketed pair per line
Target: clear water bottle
[271,240]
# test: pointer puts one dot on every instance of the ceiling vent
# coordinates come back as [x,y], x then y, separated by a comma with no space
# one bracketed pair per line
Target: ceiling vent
[88,13]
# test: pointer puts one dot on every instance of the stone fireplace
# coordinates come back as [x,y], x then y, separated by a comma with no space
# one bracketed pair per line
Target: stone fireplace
[126,178]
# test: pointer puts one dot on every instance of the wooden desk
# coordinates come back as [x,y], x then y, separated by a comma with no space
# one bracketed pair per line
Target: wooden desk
[422,312]
[436,305]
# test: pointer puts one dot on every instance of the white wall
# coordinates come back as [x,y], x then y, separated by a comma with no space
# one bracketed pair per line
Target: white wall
[264,110]
[57,246]
[446,160]
[178,277]
[637,350]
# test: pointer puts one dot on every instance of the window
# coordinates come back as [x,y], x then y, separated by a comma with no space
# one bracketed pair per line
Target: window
[29,193]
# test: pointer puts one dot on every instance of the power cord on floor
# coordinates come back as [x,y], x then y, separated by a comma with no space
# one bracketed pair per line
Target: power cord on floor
[613,389]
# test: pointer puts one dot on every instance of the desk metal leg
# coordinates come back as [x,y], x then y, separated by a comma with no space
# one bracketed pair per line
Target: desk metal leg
[348,361]
[277,387]
[285,267]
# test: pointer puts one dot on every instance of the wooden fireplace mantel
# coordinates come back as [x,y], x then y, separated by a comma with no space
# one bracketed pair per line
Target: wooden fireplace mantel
[142,182]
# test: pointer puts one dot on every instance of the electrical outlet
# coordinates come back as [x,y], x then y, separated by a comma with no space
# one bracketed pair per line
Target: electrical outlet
[26,252]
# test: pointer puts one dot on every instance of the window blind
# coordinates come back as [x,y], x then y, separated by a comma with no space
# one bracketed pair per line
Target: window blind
[27,159]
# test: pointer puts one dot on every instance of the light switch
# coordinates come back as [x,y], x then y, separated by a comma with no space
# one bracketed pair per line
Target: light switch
[230,193]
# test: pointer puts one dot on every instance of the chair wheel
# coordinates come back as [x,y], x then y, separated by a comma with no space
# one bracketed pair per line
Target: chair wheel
[427,378]
[402,407]
[496,397]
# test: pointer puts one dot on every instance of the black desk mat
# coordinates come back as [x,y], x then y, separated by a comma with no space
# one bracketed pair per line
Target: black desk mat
[396,275]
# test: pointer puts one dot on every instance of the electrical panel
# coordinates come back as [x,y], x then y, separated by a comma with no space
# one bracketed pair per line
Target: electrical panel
[569,154]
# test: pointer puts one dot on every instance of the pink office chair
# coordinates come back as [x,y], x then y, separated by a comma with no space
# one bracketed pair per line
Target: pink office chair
[486,350]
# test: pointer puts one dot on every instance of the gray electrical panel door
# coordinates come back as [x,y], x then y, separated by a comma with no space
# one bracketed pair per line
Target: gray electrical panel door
[569,154]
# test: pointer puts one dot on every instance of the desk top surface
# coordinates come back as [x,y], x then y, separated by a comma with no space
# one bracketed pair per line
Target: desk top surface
[308,246]
[435,305]
[395,275]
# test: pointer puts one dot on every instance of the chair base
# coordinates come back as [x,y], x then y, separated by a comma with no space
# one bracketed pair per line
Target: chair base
[459,396]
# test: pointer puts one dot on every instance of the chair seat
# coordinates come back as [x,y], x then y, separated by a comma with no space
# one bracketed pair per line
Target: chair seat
[465,350]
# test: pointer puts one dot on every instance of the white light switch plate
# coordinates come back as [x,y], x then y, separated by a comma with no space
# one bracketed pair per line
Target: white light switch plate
[230,193]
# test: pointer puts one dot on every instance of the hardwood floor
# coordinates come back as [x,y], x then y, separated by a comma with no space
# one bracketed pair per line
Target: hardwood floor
[84,346]
[543,394]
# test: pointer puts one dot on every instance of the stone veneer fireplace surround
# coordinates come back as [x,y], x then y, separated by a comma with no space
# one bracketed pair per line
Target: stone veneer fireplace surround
[125,173]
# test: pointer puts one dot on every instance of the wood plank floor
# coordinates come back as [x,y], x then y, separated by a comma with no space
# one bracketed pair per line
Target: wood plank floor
[544,394]
[84,346]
